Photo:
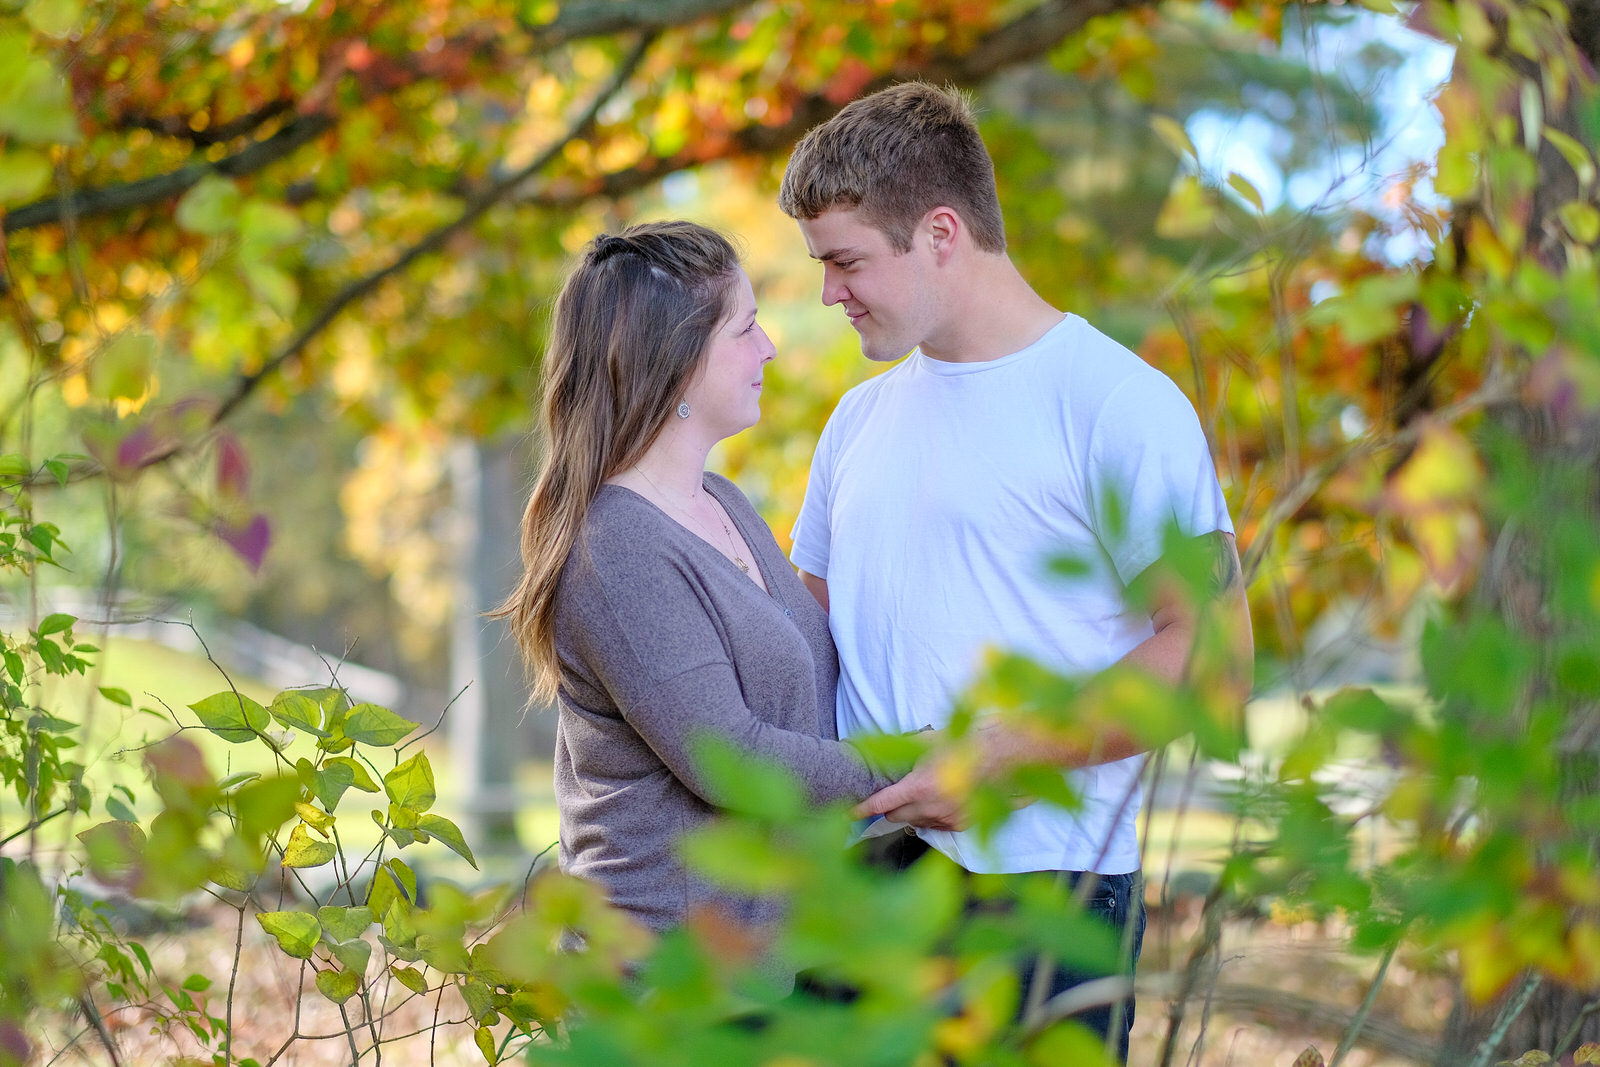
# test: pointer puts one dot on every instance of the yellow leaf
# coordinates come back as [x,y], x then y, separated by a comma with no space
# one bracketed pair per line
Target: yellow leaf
[318,819]
[1487,963]
[1587,1053]
[1241,185]
[1444,468]
[1188,210]
[1309,1058]
[302,851]
[122,369]
[1451,544]
[1584,945]
[1172,133]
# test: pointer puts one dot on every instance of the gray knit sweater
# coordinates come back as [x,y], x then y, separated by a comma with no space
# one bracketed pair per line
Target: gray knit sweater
[662,638]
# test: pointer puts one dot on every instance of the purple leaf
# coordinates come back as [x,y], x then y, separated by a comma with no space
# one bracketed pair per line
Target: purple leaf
[249,541]
[136,448]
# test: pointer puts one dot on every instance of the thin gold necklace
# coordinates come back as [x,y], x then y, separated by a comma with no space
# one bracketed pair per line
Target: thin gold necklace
[732,546]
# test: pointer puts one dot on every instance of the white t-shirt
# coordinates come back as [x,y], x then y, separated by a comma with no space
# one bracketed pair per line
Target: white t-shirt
[938,495]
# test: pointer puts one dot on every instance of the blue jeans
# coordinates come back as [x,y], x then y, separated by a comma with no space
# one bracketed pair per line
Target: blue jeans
[1115,899]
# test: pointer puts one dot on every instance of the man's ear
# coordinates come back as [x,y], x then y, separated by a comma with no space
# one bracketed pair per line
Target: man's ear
[941,228]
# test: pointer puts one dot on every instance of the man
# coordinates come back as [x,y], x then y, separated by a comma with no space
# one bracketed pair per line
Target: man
[941,489]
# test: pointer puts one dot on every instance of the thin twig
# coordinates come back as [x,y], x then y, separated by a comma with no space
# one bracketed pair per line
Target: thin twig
[233,979]
[32,826]
[1571,1037]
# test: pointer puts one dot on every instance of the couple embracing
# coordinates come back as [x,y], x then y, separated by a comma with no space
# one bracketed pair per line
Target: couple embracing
[655,605]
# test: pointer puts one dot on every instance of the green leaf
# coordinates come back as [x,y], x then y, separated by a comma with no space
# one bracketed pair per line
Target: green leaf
[58,470]
[370,724]
[274,286]
[344,924]
[263,806]
[121,370]
[24,173]
[116,696]
[446,831]
[53,18]
[410,977]
[1581,220]
[444,954]
[264,226]
[305,851]
[295,931]
[35,102]
[211,207]
[238,779]
[113,846]
[338,986]
[480,1001]
[231,716]
[1577,156]
[197,983]
[55,624]
[391,882]
[745,784]
[13,465]
[118,810]
[354,955]
[335,776]
[410,785]
[483,1037]
[297,711]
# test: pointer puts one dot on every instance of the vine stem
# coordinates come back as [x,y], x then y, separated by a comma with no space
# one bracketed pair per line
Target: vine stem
[1348,1041]
[1508,1015]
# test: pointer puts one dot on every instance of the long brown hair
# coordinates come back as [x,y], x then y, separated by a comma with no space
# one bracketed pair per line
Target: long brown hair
[630,327]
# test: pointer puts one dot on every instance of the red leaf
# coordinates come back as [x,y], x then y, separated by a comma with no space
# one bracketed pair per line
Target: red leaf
[233,469]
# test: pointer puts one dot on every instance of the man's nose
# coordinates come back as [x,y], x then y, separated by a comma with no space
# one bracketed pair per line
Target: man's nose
[834,290]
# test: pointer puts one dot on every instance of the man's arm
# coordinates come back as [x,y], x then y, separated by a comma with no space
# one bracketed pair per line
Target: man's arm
[930,796]
[817,587]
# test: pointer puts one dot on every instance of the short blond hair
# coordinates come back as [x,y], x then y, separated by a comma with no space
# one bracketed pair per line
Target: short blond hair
[894,156]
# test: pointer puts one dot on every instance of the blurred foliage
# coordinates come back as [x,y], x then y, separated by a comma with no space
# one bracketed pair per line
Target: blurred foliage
[225,218]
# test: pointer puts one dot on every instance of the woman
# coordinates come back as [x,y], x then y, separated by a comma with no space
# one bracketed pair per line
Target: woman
[655,606]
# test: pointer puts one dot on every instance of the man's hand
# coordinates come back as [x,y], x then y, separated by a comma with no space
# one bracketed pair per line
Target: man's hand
[919,799]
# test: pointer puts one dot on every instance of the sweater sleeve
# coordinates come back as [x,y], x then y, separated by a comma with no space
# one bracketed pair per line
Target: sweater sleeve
[642,627]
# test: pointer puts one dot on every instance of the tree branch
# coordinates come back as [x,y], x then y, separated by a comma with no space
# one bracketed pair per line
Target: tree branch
[106,199]
[435,240]
[581,19]
[1027,37]
[178,125]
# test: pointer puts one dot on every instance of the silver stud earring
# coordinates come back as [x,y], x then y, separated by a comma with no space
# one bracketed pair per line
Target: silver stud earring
[683,410]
